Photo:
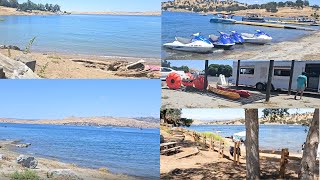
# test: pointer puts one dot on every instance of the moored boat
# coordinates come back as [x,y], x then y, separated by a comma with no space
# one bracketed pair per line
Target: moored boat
[259,37]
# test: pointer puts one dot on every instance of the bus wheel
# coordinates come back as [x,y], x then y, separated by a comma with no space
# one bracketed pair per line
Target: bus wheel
[259,86]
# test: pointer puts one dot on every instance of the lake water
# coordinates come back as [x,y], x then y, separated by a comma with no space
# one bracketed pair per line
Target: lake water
[185,24]
[122,150]
[273,137]
[104,35]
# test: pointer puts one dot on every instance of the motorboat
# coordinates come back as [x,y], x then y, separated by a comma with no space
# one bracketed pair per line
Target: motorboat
[197,43]
[253,17]
[222,19]
[236,37]
[259,37]
[223,41]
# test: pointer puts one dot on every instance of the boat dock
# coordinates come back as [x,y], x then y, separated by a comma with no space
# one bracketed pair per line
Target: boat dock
[295,23]
[273,25]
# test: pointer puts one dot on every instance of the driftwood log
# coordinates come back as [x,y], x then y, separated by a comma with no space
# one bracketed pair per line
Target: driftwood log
[16,70]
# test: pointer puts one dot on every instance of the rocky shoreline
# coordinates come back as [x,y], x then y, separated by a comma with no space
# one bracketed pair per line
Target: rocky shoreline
[13,162]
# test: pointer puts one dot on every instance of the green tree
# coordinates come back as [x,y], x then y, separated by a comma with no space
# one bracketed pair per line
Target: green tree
[275,114]
[173,116]
[299,4]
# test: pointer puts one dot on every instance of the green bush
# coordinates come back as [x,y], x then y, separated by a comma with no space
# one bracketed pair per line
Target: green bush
[25,175]
[213,135]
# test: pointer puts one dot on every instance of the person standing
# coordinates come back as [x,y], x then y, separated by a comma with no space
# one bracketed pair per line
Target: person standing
[301,84]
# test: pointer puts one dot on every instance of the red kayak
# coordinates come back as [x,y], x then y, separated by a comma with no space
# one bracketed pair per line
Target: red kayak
[242,93]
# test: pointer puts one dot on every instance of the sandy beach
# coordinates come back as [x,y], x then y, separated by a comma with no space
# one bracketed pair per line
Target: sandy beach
[62,66]
[9,166]
[197,99]
[208,164]
[6,11]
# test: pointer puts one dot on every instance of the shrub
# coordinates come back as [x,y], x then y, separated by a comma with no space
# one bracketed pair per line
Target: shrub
[25,175]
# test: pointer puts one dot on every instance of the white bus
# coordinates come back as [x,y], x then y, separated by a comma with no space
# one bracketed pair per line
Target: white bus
[255,74]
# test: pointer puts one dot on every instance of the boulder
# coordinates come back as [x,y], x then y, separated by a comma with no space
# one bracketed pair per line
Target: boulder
[23,145]
[27,161]
[63,174]
[15,69]
[27,60]
[136,65]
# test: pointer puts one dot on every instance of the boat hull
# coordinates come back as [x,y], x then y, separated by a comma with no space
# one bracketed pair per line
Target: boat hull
[224,21]
[230,95]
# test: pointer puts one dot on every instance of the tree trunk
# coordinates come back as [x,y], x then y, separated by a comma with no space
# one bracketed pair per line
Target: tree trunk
[252,144]
[308,162]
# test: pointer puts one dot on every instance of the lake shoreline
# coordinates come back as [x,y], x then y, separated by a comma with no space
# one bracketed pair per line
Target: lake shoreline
[55,65]
[45,165]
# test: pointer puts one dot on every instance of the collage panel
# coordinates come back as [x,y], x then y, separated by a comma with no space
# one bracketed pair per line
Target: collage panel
[245,29]
[79,129]
[241,83]
[239,143]
[79,39]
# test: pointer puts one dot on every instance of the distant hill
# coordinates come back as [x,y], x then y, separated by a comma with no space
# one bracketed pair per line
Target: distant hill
[144,122]
[297,119]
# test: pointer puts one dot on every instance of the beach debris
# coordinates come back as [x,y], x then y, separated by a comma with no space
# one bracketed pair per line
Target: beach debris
[27,161]
[27,60]
[23,145]
[195,152]
[10,47]
[136,65]
[63,174]
[16,70]
[2,157]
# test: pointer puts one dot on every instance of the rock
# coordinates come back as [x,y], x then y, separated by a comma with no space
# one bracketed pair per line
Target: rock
[63,174]
[137,65]
[27,60]
[23,145]
[15,69]
[14,47]
[161,139]
[27,161]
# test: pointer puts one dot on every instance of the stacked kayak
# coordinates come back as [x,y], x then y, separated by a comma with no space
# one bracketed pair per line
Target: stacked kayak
[242,93]
[228,94]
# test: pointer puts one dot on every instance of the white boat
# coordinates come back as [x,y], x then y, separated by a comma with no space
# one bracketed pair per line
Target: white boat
[197,43]
[257,38]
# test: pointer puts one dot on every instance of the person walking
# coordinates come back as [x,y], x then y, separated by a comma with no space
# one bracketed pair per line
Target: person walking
[301,84]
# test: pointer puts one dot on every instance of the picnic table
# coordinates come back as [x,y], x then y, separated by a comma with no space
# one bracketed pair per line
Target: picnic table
[169,147]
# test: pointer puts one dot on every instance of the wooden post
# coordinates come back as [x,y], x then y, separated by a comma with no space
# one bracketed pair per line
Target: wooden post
[238,73]
[2,75]
[222,153]
[206,67]
[234,152]
[269,80]
[211,145]
[283,161]
[204,141]
[291,77]
[238,152]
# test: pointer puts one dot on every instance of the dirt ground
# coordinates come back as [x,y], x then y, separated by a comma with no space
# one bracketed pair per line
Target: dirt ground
[64,66]
[208,164]
[198,99]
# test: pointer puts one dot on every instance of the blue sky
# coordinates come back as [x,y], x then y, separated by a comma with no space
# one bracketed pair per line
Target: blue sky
[104,5]
[198,64]
[225,113]
[36,99]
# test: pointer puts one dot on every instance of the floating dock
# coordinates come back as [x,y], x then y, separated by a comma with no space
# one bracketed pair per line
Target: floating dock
[295,23]
[274,25]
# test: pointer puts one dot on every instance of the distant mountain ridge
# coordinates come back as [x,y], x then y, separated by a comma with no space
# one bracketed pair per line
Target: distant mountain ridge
[297,119]
[140,122]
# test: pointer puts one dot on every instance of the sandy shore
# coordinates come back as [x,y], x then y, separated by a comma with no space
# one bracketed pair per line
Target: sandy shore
[197,99]
[208,164]
[120,13]
[9,166]
[5,11]
[62,66]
